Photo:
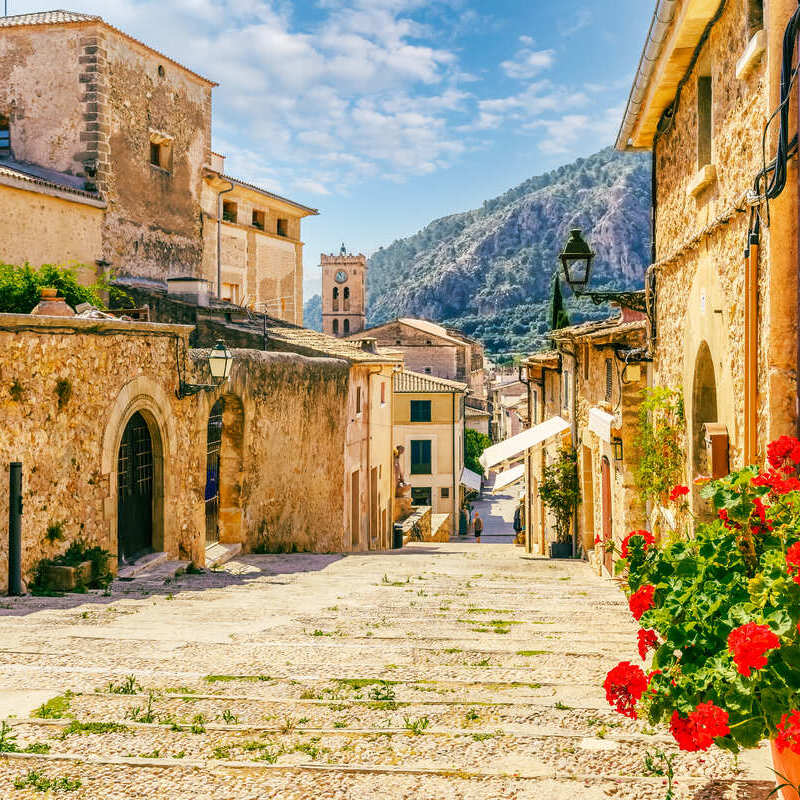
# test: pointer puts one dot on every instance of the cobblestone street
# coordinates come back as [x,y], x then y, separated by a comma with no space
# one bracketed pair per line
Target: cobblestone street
[442,671]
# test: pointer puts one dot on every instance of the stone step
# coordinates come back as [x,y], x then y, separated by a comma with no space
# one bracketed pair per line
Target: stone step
[130,571]
[220,553]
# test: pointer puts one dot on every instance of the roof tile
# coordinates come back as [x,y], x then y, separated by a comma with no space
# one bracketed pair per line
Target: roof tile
[412,382]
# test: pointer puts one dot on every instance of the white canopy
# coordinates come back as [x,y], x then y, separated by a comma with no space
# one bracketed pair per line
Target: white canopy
[471,479]
[518,444]
[509,477]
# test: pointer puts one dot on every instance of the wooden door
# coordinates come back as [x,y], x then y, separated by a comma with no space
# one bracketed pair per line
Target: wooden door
[608,557]
[355,516]
[134,490]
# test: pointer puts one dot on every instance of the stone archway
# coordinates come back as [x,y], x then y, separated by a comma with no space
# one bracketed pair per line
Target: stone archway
[704,407]
[231,470]
[140,401]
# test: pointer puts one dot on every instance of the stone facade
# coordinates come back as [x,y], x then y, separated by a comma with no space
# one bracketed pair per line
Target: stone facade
[344,293]
[432,349]
[701,229]
[69,388]
[121,127]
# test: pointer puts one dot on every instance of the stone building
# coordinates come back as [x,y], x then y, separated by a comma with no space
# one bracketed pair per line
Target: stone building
[435,350]
[112,454]
[105,159]
[602,380]
[723,283]
[429,425]
[344,293]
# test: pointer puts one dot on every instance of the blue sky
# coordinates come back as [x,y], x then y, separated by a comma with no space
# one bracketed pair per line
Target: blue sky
[386,114]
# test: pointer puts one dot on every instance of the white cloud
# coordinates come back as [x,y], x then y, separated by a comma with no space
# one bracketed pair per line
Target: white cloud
[569,131]
[527,62]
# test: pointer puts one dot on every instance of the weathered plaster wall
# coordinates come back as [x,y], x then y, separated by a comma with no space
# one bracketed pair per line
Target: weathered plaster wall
[36,227]
[700,290]
[291,437]
[153,227]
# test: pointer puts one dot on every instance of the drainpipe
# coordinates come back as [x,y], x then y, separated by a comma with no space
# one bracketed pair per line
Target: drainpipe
[750,349]
[453,461]
[573,429]
[378,371]
[219,239]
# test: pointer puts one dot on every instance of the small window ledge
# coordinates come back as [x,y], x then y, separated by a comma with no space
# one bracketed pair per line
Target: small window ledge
[752,54]
[705,177]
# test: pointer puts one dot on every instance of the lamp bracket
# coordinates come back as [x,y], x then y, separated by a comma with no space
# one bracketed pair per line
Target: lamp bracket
[188,389]
[634,300]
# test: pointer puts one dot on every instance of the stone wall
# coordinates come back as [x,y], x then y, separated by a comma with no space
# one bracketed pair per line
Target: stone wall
[701,285]
[68,388]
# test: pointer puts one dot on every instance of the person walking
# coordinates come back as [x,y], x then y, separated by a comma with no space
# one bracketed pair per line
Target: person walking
[477,525]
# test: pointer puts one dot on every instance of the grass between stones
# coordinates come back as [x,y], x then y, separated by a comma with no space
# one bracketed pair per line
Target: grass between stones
[55,708]
[42,783]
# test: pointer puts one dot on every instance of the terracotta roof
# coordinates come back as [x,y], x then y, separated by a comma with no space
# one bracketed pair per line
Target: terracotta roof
[33,177]
[61,17]
[599,328]
[544,357]
[253,187]
[416,382]
[308,342]
[424,325]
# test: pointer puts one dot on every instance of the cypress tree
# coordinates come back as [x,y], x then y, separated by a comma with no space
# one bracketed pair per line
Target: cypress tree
[558,316]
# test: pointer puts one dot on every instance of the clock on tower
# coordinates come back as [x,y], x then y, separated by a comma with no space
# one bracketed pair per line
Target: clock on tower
[341,276]
[344,277]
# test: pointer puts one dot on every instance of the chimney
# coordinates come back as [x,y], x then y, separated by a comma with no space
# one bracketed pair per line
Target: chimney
[369,345]
[189,289]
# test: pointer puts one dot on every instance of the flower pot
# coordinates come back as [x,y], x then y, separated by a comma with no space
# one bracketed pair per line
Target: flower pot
[561,550]
[787,765]
[51,305]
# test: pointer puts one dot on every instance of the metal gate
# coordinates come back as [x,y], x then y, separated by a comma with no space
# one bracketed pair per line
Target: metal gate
[134,490]
[213,447]
[605,474]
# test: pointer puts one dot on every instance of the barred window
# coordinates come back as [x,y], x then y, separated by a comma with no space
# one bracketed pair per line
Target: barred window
[609,379]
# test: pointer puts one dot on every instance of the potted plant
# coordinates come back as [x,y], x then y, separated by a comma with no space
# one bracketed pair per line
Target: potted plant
[720,612]
[560,493]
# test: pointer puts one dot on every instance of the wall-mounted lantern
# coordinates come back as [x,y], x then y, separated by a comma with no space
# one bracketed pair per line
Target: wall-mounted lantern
[576,258]
[616,443]
[220,363]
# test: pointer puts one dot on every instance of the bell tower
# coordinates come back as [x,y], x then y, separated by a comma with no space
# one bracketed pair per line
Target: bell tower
[344,293]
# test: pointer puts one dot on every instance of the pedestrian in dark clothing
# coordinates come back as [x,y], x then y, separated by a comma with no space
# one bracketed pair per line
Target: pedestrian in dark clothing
[478,527]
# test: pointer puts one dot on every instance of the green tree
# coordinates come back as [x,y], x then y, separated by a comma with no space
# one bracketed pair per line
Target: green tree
[475,443]
[20,287]
[560,491]
[558,316]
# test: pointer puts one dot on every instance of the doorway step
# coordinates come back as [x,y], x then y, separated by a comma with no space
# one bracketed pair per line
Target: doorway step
[152,567]
[218,553]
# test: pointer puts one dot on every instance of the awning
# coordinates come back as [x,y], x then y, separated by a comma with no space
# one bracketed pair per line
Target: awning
[518,444]
[507,478]
[471,479]
[601,423]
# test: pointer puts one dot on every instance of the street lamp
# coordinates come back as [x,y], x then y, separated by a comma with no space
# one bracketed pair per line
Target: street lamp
[576,259]
[220,362]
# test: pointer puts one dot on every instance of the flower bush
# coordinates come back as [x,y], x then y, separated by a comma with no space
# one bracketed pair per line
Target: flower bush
[719,611]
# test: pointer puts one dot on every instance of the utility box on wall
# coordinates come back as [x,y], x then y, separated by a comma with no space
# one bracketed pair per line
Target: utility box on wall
[717,449]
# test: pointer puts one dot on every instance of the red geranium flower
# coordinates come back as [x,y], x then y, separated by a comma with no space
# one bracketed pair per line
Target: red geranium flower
[678,492]
[624,685]
[726,520]
[646,535]
[784,453]
[777,482]
[793,562]
[648,640]
[789,732]
[597,539]
[700,728]
[748,643]
[641,600]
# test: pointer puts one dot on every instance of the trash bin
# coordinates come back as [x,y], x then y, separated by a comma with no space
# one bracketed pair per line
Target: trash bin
[397,538]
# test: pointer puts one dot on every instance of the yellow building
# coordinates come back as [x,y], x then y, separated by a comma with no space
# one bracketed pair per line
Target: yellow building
[429,425]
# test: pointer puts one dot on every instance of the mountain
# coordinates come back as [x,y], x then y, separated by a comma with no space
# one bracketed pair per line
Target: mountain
[312,313]
[488,271]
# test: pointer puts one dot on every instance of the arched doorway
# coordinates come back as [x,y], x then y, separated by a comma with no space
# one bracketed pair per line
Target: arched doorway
[704,407]
[213,448]
[605,471]
[135,469]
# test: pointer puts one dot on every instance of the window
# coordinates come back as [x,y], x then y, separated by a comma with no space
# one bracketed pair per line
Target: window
[421,457]
[420,410]
[535,409]
[586,362]
[609,379]
[259,219]
[335,292]
[755,16]
[230,292]
[445,492]
[5,133]
[336,327]
[282,227]
[346,292]
[160,151]
[230,211]
[397,341]
[358,400]
[420,496]
[383,392]
[704,100]
[347,326]
[427,370]
[565,389]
